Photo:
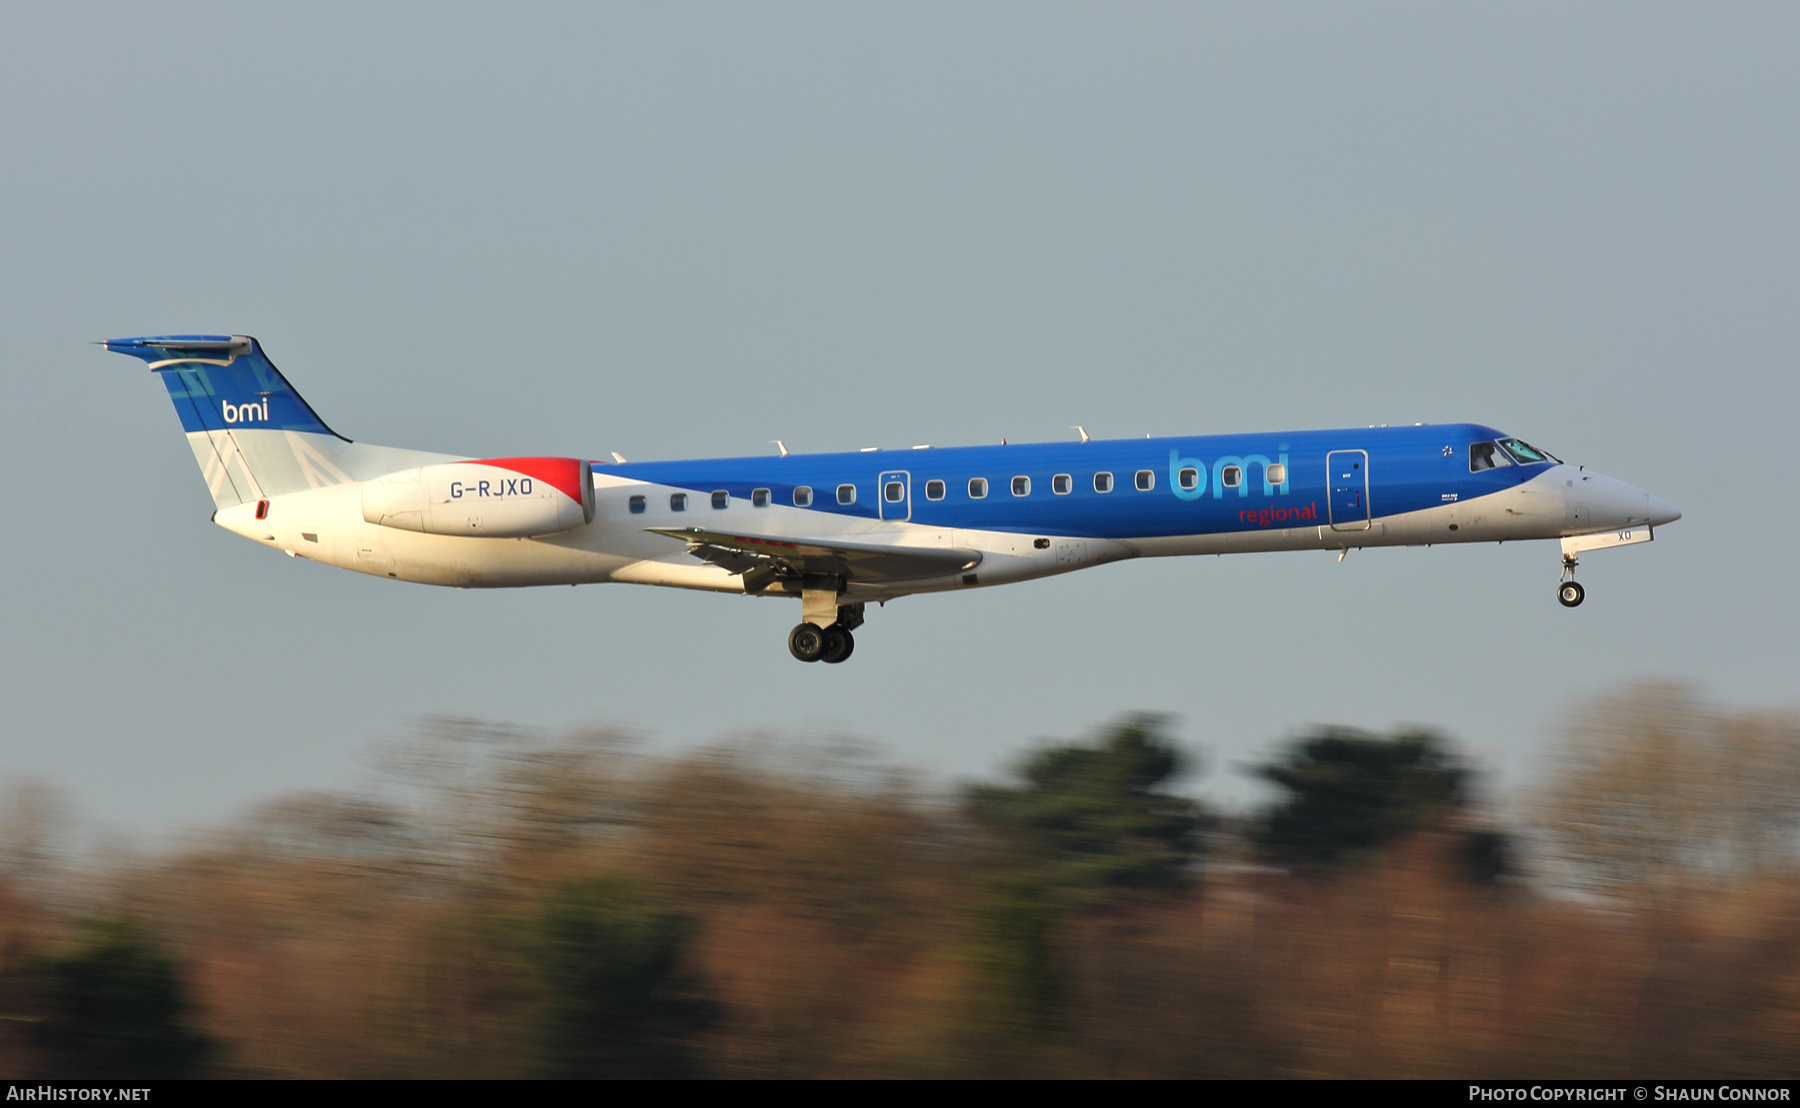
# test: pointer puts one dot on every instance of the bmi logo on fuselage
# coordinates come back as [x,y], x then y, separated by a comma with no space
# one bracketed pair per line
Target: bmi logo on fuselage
[1187,476]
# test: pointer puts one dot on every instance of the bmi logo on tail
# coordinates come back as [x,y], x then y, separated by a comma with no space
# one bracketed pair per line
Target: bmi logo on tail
[246,413]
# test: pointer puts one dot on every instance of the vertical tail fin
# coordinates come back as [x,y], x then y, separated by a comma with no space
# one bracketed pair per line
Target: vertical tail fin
[221,382]
[252,434]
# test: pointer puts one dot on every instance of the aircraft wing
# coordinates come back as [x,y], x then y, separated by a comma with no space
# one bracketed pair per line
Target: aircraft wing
[763,559]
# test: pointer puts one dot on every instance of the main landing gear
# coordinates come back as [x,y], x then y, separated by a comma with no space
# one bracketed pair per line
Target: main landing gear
[824,633]
[1570,594]
[812,643]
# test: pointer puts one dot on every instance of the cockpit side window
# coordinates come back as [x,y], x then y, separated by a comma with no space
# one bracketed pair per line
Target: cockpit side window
[1486,455]
[1524,452]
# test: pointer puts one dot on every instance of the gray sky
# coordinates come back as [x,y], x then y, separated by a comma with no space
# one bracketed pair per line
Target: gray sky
[674,230]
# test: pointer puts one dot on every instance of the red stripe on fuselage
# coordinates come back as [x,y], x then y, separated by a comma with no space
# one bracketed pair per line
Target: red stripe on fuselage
[562,474]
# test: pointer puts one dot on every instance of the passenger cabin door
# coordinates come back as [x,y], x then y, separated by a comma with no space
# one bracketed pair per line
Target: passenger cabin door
[893,492]
[1347,472]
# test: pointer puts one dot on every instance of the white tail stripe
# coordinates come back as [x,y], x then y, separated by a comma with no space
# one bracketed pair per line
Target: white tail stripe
[217,470]
[318,470]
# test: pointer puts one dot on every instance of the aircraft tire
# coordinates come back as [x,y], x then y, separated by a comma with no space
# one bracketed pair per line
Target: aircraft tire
[1570,594]
[838,644]
[806,642]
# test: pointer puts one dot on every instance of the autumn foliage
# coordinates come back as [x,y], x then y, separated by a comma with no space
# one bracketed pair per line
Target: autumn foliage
[507,904]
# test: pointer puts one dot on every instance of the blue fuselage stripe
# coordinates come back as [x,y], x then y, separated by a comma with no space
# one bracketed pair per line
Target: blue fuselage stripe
[1408,469]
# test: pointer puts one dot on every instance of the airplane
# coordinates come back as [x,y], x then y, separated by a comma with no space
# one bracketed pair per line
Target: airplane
[836,531]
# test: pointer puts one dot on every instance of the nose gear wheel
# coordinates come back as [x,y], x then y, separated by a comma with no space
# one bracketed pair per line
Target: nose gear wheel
[1569,593]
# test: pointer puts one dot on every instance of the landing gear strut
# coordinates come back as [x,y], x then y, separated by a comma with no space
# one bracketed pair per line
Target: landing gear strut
[825,635]
[1570,594]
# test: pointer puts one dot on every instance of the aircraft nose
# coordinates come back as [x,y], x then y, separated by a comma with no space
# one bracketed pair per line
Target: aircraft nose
[1598,501]
[1661,511]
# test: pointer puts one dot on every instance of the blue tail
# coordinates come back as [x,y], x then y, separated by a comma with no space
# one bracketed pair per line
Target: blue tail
[252,435]
[222,382]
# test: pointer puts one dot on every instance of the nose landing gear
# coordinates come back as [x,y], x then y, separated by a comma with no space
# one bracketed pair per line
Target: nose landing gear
[1569,593]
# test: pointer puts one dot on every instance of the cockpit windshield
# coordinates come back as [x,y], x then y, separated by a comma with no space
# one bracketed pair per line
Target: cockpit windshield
[1485,455]
[1526,453]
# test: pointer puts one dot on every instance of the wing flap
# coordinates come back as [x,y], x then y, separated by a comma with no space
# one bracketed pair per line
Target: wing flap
[764,559]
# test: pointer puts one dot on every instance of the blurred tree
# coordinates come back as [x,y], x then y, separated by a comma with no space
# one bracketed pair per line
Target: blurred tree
[1093,820]
[1013,958]
[115,1009]
[481,792]
[619,999]
[1350,792]
[1655,787]
[1487,856]
[35,820]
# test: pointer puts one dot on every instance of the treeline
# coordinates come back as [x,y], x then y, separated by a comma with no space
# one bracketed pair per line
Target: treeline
[506,904]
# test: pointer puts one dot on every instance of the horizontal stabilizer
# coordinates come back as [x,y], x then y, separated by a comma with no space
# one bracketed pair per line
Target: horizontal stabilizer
[159,347]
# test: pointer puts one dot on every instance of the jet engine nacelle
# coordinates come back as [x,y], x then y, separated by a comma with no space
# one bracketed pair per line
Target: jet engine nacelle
[503,498]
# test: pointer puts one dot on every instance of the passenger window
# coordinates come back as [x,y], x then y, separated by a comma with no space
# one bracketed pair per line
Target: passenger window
[1232,477]
[1146,480]
[802,496]
[1276,474]
[846,494]
[895,492]
[721,498]
[1021,486]
[978,488]
[759,498]
[637,505]
[1061,484]
[1189,478]
[678,502]
[1102,482]
[1485,455]
[934,490]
